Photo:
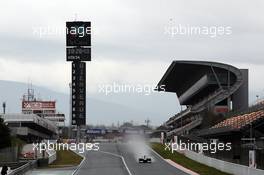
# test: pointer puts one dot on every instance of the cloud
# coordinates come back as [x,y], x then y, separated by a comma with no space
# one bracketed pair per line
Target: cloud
[57,74]
[126,30]
[129,44]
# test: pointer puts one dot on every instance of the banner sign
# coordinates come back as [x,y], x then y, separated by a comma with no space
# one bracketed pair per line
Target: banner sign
[33,105]
[252,159]
[162,137]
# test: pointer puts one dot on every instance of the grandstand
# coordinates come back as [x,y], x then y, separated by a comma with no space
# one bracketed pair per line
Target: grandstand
[216,100]
[209,90]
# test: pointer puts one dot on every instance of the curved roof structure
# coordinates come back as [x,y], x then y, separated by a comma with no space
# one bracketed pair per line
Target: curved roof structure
[197,78]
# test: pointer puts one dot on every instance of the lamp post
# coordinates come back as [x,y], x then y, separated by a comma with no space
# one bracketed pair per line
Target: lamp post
[4,107]
[257,96]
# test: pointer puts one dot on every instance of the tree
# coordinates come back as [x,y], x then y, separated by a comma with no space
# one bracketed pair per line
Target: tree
[127,124]
[5,139]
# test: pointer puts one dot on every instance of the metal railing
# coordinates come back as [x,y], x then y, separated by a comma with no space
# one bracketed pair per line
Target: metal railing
[178,116]
[186,127]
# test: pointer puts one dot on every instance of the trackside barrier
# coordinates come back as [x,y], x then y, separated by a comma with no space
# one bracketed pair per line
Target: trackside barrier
[221,165]
[23,169]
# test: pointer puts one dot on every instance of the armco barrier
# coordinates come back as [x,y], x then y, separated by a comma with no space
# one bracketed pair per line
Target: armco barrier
[23,169]
[224,166]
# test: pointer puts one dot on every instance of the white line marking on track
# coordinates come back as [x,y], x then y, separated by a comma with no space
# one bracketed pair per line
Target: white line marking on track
[81,164]
[121,157]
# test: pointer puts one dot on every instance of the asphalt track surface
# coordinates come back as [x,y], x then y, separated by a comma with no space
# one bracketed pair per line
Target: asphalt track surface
[118,159]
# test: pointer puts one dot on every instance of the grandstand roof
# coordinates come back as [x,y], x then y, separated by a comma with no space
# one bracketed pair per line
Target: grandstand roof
[236,124]
[193,80]
[186,72]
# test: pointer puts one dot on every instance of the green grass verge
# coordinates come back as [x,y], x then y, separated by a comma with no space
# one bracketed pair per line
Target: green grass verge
[186,162]
[66,158]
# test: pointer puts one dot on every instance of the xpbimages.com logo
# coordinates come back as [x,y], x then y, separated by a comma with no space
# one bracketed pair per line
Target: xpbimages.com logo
[49,31]
[174,30]
[145,89]
[76,147]
[212,147]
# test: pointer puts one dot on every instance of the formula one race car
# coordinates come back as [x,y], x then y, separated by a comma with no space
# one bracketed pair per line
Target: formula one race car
[144,159]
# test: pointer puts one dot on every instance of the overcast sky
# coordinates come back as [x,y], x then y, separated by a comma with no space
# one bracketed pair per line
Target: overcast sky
[129,40]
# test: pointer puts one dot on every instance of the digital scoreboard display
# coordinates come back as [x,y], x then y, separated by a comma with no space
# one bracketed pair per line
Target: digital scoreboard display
[78,33]
[78,54]
[78,93]
[78,41]
[78,50]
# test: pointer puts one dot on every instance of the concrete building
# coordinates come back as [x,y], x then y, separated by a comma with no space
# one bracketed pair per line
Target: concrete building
[30,127]
[43,108]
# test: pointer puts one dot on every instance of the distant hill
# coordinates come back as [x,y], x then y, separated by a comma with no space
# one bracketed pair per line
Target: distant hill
[100,109]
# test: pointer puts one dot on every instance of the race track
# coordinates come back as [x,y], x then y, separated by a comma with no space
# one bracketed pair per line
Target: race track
[118,159]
